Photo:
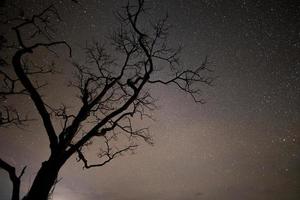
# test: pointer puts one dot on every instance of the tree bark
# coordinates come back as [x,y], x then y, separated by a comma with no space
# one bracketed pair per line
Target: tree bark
[44,180]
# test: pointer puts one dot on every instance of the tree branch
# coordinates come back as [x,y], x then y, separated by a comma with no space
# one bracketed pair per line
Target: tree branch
[35,96]
[105,153]
[16,180]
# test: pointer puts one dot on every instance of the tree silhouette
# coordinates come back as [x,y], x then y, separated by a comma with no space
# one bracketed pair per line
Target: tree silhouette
[112,93]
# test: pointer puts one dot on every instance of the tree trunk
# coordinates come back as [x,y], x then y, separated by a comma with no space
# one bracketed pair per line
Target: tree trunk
[16,190]
[44,180]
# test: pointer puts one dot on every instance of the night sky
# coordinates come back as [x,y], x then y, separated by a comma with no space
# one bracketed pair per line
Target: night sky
[243,143]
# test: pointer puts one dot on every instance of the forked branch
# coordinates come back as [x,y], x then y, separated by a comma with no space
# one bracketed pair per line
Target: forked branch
[16,180]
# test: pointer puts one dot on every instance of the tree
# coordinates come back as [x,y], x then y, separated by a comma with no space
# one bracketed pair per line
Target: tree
[113,93]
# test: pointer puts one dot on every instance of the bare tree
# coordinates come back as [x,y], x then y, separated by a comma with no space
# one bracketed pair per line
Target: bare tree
[113,92]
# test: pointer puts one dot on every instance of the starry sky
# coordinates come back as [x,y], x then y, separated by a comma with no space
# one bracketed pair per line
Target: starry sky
[244,143]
